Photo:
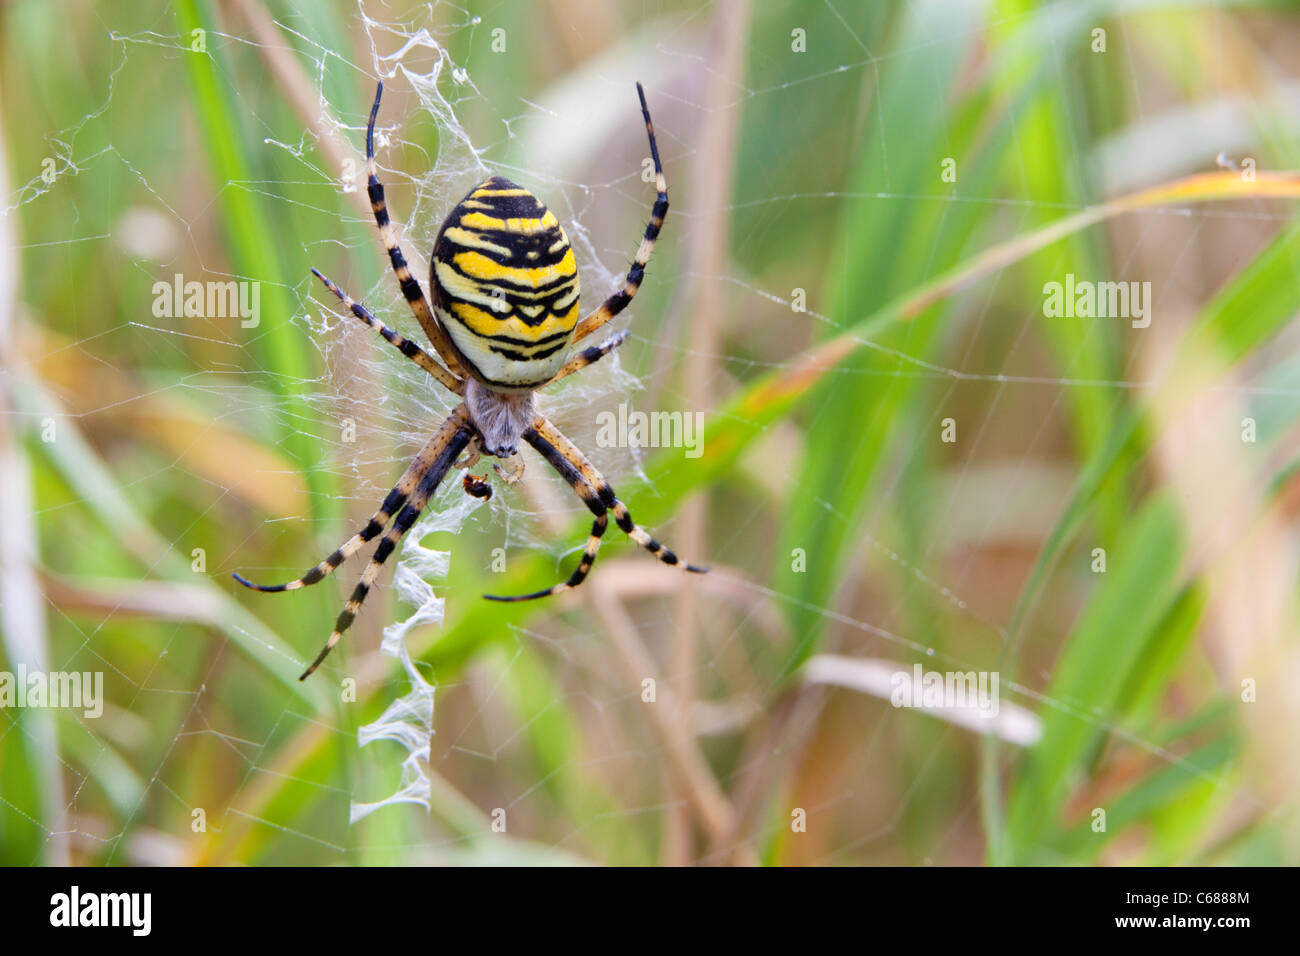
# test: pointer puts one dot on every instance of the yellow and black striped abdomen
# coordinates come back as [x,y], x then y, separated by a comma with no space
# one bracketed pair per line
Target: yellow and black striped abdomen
[506,284]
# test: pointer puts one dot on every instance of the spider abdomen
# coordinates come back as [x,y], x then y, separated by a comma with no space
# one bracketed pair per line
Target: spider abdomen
[506,285]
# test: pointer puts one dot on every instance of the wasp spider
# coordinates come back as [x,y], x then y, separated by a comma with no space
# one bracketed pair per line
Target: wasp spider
[504,315]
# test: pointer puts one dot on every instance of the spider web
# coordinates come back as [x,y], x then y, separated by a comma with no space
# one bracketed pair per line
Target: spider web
[480,741]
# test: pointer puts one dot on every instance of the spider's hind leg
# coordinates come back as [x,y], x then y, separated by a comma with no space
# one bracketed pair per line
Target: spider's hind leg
[589,356]
[404,345]
[410,286]
[617,302]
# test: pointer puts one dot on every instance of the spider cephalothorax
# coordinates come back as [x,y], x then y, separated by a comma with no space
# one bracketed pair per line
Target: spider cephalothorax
[500,417]
[505,291]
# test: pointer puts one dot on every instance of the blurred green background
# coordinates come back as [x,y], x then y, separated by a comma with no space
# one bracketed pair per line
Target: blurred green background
[867,201]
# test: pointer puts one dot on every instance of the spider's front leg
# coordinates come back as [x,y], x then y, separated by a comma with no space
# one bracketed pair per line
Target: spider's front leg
[597,494]
[402,506]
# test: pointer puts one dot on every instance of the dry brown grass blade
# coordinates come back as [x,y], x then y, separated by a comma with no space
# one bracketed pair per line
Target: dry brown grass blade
[1244,543]
[297,88]
[706,306]
[669,723]
[108,401]
[876,677]
[763,401]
